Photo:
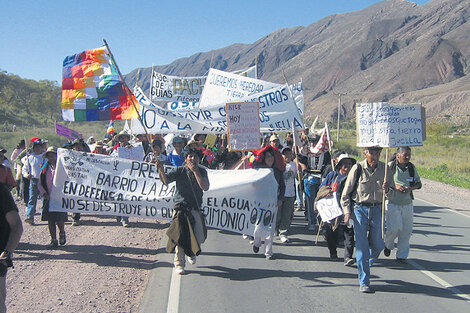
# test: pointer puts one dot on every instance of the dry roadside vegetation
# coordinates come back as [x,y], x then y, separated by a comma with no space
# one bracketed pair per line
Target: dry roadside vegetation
[103,267]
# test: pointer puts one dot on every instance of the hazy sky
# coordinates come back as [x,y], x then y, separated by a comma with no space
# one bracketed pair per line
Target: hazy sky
[36,36]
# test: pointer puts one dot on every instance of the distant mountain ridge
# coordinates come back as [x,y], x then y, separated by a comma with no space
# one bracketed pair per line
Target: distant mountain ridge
[393,51]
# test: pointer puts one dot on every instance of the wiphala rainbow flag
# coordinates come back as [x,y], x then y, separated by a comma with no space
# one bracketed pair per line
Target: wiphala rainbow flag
[92,90]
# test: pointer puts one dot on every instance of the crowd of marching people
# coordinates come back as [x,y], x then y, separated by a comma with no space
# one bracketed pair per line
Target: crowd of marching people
[304,173]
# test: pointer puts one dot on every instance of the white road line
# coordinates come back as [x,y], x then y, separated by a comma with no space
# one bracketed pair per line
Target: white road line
[440,281]
[451,210]
[174,293]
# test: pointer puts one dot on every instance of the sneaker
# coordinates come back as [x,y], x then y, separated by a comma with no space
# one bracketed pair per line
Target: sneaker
[284,239]
[62,239]
[192,260]
[54,244]
[334,257]
[402,261]
[29,221]
[179,270]
[244,236]
[125,223]
[348,262]
[365,289]
[387,251]
[252,242]
[75,223]
[255,249]
[269,257]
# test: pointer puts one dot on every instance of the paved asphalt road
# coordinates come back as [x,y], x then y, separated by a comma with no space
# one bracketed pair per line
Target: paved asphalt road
[229,277]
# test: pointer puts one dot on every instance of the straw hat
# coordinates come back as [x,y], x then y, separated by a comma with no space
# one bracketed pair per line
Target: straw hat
[50,149]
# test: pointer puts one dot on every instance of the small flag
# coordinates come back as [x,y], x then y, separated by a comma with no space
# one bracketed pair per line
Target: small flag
[92,90]
[325,143]
[110,129]
[67,132]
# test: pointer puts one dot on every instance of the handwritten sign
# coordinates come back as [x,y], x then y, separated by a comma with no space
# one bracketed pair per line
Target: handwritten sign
[243,126]
[328,208]
[133,153]
[389,125]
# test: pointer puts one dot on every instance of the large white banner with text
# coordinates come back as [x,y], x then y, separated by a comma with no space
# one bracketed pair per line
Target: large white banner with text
[175,88]
[237,201]
[277,112]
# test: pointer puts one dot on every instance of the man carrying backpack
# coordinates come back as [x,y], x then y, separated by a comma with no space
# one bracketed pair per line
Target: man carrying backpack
[399,215]
[362,202]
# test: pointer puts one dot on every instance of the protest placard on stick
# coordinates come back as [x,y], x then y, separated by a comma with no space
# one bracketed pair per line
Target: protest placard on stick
[389,125]
[243,126]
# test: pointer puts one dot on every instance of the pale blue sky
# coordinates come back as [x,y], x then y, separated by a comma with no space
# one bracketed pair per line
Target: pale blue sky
[36,35]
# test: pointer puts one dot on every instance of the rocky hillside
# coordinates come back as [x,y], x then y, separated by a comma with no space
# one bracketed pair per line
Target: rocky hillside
[393,51]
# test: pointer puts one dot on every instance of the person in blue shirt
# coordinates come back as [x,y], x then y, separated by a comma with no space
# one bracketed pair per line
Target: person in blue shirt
[176,157]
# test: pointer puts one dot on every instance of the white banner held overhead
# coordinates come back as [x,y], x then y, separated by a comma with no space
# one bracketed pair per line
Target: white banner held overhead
[277,113]
[223,87]
[243,126]
[176,88]
[389,125]
[106,185]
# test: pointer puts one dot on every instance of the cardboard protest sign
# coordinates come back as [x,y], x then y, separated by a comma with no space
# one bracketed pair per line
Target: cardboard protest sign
[278,112]
[243,126]
[210,140]
[328,208]
[135,152]
[175,88]
[223,87]
[237,201]
[389,125]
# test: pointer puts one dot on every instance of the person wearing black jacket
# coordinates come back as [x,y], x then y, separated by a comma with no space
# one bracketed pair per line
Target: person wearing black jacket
[11,229]
[191,182]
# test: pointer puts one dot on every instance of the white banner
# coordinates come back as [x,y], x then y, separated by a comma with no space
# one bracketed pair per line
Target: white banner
[175,88]
[237,201]
[389,125]
[223,87]
[277,113]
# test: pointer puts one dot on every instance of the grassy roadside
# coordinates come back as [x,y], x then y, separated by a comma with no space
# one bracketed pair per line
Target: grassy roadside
[444,157]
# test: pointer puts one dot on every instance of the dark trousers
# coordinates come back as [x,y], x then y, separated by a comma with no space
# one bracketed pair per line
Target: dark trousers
[76,217]
[25,183]
[332,239]
[348,241]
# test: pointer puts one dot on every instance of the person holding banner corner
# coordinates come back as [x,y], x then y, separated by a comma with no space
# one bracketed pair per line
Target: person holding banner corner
[191,182]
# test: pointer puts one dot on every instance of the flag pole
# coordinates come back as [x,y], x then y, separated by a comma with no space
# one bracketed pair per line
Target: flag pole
[126,89]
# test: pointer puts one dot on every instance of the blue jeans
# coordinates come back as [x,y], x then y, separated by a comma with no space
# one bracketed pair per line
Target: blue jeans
[369,242]
[311,190]
[33,198]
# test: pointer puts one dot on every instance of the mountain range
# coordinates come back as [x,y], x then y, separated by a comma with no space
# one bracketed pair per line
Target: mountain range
[394,50]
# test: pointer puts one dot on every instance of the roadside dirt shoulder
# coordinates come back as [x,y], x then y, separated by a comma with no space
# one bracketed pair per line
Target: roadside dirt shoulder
[445,195]
[103,267]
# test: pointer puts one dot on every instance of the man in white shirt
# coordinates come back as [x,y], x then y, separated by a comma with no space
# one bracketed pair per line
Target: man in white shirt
[32,171]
